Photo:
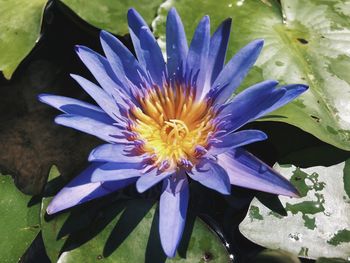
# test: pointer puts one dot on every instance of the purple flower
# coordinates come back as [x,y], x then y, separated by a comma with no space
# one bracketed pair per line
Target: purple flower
[170,121]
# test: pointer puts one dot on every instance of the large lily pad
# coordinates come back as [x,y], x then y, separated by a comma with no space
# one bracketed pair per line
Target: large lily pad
[19,224]
[305,42]
[121,231]
[49,230]
[317,224]
[20,22]
[110,14]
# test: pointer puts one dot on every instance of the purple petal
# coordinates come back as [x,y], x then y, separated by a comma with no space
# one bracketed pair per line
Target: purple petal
[237,139]
[236,70]
[81,190]
[197,57]
[176,43]
[116,171]
[217,51]
[172,213]
[212,176]
[114,153]
[105,101]
[90,126]
[102,71]
[136,22]
[250,103]
[146,181]
[152,56]
[122,61]
[292,91]
[76,107]
[245,170]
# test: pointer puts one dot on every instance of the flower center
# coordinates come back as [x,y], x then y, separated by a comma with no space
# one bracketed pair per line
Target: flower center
[174,131]
[171,125]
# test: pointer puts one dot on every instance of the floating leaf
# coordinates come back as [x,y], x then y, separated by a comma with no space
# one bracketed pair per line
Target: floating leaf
[19,222]
[124,231]
[275,256]
[305,42]
[331,260]
[317,224]
[20,22]
[49,230]
[110,14]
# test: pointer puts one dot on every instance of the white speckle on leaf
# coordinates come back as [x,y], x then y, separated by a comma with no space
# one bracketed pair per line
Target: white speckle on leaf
[240,2]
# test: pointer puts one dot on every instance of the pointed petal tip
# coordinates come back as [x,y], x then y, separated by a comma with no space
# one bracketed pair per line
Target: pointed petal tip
[133,14]
[57,119]
[227,22]
[272,81]
[226,25]
[73,76]
[42,97]
[139,187]
[265,137]
[91,156]
[295,193]
[132,11]
[262,136]
[104,34]
[259,42]
[288,189]
[300,88]
[170,253]
[303,87]
[60,119]
[205,19]
[50,210]
[173,11]
[225,191]
[78,48]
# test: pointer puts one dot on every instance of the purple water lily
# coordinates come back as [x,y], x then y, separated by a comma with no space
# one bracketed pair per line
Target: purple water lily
[170,121]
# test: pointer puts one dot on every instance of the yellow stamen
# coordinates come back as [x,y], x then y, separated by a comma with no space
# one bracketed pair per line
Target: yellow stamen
[171,124]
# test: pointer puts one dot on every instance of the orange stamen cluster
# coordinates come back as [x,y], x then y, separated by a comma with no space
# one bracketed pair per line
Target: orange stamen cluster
[172,124]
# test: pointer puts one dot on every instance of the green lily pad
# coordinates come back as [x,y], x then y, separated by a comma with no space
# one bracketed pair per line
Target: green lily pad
[122,231]
[19,223]
[275,256]
[331,260]
[49,230]
[305,42]
[110,14]
[20,23]
[316,225]
[122,241]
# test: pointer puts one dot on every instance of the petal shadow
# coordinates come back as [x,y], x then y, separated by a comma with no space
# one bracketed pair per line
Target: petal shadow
[154,250]
[127,222]
[272,202]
